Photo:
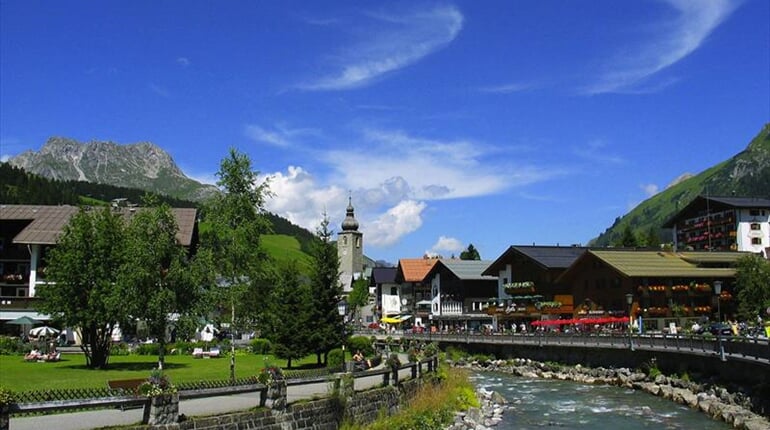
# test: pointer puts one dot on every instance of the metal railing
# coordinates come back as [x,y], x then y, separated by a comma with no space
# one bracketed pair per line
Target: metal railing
[749,348]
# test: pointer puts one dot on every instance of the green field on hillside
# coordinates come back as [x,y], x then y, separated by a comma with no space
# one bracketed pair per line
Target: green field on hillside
[286,248]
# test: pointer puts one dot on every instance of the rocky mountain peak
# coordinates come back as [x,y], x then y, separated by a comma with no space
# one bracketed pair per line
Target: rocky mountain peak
[141,165]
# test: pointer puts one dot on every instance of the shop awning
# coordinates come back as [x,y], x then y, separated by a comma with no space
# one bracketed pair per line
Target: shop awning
[395,319]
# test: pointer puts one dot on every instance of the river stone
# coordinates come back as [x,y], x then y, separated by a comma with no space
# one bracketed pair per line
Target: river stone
[498,398]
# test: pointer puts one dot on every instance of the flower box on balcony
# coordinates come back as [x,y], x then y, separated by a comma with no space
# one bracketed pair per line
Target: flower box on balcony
[680,288]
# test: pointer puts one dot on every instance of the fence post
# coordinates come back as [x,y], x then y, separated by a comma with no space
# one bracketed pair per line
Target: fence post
[414,370]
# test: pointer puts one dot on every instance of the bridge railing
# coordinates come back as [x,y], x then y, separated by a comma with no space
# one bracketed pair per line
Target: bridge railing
[751,348]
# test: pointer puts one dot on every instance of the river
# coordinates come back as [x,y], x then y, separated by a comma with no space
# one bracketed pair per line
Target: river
[540,403]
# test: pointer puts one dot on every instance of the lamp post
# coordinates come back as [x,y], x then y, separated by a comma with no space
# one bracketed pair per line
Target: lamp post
[718,292]
[342,309]
[630,301]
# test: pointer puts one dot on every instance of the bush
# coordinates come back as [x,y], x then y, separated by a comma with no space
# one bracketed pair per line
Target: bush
[6,396]
[11,345]
[361,343]
[119,349]
[334,358]
[148,349]
[261,346]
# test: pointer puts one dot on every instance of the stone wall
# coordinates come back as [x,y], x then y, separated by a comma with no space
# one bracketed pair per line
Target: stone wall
[325,414]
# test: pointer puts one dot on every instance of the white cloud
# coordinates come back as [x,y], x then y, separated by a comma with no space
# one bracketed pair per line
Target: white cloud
[430,169]
[445,245]
[183,61]
[404,41]
[299,198]
[4,158]
[673,41]
[396,222]
[650,189]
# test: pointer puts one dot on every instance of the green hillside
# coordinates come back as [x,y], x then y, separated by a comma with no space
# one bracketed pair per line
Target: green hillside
[284,248]
[745,175]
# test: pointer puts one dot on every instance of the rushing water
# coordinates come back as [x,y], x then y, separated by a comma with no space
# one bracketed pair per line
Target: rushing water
[539,403]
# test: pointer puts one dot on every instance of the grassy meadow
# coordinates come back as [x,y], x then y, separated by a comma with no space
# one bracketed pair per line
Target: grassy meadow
[71,372]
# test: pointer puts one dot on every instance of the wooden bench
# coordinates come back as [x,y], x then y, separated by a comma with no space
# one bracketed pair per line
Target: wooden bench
[127,385]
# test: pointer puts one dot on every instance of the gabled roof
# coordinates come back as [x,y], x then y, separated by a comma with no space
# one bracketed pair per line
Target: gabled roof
[656,264]
[414,269]
[548,257]
[464,270]
[46,223]
[718,203]
[384,275]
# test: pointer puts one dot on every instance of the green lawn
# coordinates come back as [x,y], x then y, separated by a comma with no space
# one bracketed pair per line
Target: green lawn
[19,375]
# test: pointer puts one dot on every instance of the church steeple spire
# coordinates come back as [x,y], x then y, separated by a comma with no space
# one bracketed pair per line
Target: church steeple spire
[350,223]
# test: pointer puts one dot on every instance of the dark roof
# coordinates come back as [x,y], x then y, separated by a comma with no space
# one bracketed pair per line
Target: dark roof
[384,275]
[549,257]
[46,223]
[717,204]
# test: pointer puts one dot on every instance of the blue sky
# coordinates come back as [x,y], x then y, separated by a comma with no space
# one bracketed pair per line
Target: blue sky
[492,123]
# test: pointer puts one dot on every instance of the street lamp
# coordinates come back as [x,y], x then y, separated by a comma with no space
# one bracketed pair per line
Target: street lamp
[718,292]
[630,301]
[342,309]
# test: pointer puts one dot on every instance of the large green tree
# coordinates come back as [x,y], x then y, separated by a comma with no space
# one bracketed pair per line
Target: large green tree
[326,327]
[752,282]
[160,277]
[235,222]
[290,315]
[82,269]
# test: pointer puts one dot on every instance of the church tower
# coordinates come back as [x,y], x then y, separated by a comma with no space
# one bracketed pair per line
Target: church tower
[350,246]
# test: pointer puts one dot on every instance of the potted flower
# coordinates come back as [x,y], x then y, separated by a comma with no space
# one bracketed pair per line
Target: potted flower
[163,399]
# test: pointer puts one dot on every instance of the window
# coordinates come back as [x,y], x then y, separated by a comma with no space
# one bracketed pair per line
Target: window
[21,292]
[756,241]
[393,291]
[344,240]
[756,226]
[754,212]
[358,242]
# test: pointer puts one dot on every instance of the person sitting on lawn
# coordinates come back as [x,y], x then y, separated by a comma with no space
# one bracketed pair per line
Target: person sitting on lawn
[33,355]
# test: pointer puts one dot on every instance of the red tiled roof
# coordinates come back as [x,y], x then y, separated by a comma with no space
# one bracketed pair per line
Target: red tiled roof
[415,269]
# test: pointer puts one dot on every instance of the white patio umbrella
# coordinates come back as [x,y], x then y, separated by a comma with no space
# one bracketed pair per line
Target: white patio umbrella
[43,331]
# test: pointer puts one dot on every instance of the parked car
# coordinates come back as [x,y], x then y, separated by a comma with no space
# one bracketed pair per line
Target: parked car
[718,328]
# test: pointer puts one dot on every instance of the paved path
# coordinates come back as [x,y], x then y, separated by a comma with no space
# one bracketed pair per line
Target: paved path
[190,407]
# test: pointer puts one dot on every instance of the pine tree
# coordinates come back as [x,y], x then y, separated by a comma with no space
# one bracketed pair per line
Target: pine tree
[327,329]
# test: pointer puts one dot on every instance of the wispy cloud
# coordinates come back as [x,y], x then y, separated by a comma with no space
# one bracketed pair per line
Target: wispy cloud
[279,135]
[509,88]
[394,42]
[595,151]
[183,61]
[650,189]
[161,91]
[674,41]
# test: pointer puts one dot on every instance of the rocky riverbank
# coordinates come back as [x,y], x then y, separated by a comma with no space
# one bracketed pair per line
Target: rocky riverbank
[716,402]
[487,415]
